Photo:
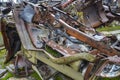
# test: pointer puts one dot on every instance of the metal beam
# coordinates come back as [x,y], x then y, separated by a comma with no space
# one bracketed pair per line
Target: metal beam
[67,70]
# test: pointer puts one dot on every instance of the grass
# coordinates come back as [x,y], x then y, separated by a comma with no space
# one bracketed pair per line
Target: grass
[2,56]
[108,28]
[117,78]
[7,76]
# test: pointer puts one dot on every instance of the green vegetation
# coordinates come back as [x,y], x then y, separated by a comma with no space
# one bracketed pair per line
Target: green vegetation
[111,28]
[58,77]
[7,76]
[117,78]
[36,76]
[2,57]
[53,52]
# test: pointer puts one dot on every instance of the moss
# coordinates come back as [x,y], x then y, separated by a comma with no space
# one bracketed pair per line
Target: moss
[36,76]
[117,78]
[58,78]
[53,52]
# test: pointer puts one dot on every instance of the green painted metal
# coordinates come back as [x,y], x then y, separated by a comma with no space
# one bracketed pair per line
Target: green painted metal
[67,70]
[68,59]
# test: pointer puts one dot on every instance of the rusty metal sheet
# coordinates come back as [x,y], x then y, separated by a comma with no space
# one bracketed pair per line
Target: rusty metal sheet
[89,40]
[64,51]
[91,16]
[33,36]
[23,34]
[88,71]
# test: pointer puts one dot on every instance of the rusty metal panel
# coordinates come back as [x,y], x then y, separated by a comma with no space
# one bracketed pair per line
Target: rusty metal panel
[25,39]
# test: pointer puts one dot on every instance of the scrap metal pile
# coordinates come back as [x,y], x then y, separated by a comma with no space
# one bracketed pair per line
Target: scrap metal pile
[46,24]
